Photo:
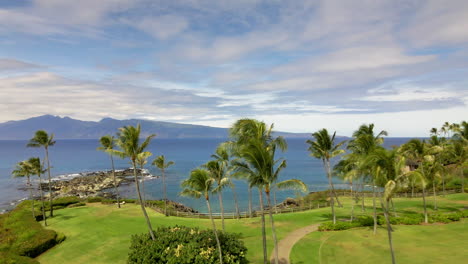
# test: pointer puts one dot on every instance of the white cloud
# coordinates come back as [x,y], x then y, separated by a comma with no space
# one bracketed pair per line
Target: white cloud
[162,27]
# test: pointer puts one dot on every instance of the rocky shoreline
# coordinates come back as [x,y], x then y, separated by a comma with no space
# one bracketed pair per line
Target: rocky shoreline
[92,184]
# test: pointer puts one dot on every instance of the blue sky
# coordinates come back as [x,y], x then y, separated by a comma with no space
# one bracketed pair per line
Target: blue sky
[302,65]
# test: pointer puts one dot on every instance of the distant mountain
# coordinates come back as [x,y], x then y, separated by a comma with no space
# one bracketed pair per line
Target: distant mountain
[68,128]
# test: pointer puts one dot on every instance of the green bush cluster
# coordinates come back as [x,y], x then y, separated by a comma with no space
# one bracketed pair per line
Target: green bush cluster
[60,203]
[21,236]
[95,199]
[329,226]
[446,218]
[183,245]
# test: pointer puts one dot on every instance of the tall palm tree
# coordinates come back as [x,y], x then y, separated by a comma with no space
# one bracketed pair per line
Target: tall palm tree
[107,145]
[24,169]
[388,193]
[37,169]
[142,159]
[459,153]
[201,183]
[162,165]
[325,148]
[416,150]
[42,139]
[128,139]
[218,173]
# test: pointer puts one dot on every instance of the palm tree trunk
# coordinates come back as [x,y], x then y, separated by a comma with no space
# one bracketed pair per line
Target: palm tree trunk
[143,186]
[327,167]
[42,200]
[274,199]
[462,176]
[375,209]
[31,198]
[275,241]
[235,201]
[115,182]
[424,204]
[363,206]
[164,191]
[214,230]
[141,202]
[330,192]
[50,184]
[434,194]
[220,197]
[250,202]
[265,256]
[389,229]
[352,198]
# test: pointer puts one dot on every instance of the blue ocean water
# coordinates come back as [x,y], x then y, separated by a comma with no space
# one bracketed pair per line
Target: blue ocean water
[75,156]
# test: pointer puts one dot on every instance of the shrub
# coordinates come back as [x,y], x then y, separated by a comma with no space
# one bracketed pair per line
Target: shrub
[21,235]
[183,245]
[329,226]
[365,220]
[76,205]
[96,199]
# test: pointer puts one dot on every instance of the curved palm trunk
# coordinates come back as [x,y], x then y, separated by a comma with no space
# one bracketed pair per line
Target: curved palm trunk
[274,199]
[164,190]
[273,231]
[265,256]
[389,229]
[115,182]
[50,184]
[363,206]
[327,167]
[375,209]
[235,201]
[330,192]
[250,202]
[220,197]
[143,186]
[141,202]
[214,230]
[31,197]
[435,195]
[424,204]
[42,200]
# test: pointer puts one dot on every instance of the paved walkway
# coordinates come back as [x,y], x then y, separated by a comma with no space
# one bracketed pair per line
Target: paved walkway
[285,245]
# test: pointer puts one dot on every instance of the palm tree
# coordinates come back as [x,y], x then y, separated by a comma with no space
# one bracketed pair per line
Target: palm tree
[142,159]
[107,145]
[459,153]
[218,173]
[415,150]
[388,193]
[128,139]
[24,169]
[162,165]
[37,168]
[201,183]
[257,148]
[325,148]
[42,139]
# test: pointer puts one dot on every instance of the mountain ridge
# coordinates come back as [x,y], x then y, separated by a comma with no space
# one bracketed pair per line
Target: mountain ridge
[69,128]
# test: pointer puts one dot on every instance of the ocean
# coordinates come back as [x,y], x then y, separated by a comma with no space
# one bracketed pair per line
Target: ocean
[76,156]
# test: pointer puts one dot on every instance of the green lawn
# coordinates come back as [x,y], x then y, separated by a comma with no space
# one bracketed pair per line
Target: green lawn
[439,243]
[101,233]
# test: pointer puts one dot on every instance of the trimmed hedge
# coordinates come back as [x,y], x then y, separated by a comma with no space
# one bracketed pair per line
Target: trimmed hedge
[184,245]
[411,219]
[21,235]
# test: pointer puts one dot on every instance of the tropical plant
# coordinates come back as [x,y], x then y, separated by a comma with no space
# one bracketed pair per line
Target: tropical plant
[325,148]
[24,169]
[416,150]
[218,173]
[201,184]
[388,193]
[107,145]
[38,169]
[128,139]
[162,165]
[142,159]
[42,139]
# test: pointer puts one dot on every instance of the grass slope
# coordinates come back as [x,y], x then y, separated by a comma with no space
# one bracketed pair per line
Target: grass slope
[101,233]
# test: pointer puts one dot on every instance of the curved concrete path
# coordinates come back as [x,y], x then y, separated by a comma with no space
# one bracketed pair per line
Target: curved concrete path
[285,245]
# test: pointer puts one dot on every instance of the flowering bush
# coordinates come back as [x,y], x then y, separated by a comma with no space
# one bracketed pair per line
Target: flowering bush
[183,245]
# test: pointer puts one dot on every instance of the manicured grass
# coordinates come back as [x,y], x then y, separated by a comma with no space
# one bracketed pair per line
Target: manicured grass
[437,243]
[101,233]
